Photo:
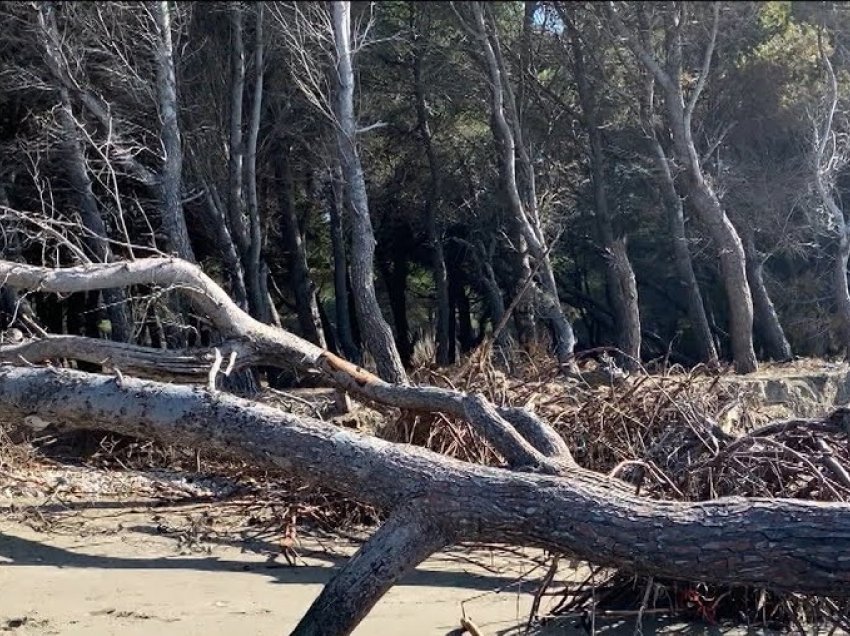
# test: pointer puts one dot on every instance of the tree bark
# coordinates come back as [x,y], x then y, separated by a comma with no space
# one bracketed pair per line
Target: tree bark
[253,342]
[233,264]
[95,235]
[681,252]
[824,182]
[433,197]
[546,293]
[409,537]
[487,277]
[699,191]
[236,151]
[395,277]
[619,274]
[375,331]
[306,305]
[171,179]
[767,322]
[777,544]
[544,499]
[255,270]
[342,310]
[842,295]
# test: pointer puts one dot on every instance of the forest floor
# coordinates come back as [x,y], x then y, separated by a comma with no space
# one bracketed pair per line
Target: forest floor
[109,547]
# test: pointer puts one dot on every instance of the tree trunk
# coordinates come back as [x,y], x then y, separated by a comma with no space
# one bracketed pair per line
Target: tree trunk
[395,276]
[619,275]
[10,304]
[374,329]
[824,182]
[682,253]
[842,294]
[95,235]
[235,195]
[408,537]
[232,262]
[306,306]
[495,305]
[434,500]
[713,216]
[545,293]
[255,271]
[465,334]
[342,310]
[540,498]
[733,266]
[171,179]
[698,191]
[766,319]
[433,198]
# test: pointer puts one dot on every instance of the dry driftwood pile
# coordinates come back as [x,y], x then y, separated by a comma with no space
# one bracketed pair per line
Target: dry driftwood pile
[675,436]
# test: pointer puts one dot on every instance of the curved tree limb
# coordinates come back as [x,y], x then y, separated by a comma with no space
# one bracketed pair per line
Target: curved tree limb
[127,357]
[258,343]
[409,537]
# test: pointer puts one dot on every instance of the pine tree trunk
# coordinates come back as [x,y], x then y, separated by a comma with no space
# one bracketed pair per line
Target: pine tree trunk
[95,236]
[302,287]
[342,308]
[255,270]
[766,319]
[433,197]
[619,275]
[682,254]
[545,294]
[374,329]
[171,179]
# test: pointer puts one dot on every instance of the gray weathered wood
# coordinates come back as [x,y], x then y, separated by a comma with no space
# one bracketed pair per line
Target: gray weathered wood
[781,544]
[408,537]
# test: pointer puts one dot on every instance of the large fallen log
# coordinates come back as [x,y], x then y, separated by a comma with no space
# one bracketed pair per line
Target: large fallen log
[541,498]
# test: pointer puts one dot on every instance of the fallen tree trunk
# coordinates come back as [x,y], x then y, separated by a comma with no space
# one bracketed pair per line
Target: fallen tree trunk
[542,498]
[779,544]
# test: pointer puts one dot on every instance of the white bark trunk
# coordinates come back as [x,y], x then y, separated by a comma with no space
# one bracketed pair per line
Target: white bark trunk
[376,332]
[171,179]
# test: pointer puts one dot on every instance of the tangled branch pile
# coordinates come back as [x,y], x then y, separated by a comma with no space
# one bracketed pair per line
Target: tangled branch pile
[679,435]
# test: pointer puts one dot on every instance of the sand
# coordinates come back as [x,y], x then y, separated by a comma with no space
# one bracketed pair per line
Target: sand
[96,552]
[112,573]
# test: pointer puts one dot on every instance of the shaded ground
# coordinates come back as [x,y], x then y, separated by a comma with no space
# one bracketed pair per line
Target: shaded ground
[118,573]
[120,565]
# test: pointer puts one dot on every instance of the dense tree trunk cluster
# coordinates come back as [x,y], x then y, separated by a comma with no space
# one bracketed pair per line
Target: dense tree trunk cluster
[494,149]
[186,186]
